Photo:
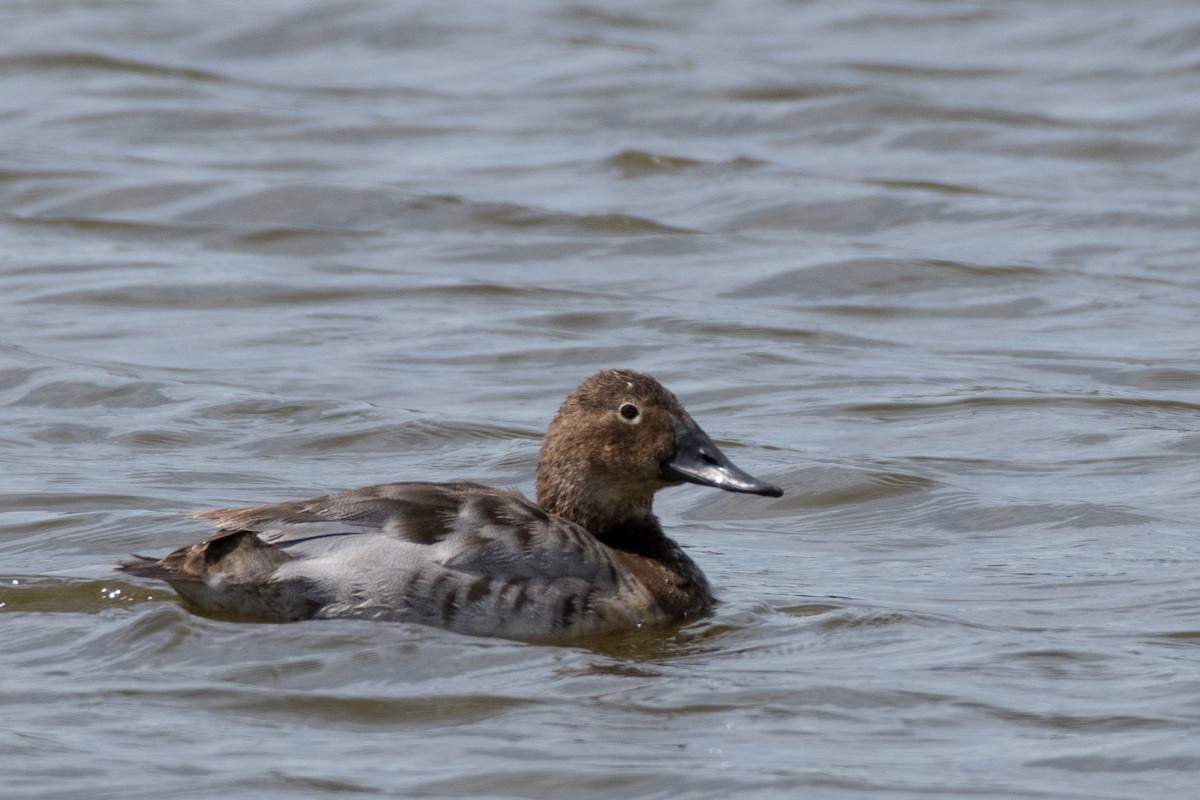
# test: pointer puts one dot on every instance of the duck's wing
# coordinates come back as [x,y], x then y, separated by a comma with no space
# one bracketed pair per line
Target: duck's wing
[462,526]
[418,513]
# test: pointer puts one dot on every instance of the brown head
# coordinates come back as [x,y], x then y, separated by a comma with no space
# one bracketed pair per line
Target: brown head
[615,441]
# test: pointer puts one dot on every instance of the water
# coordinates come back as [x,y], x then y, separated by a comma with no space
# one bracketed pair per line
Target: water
[930,266]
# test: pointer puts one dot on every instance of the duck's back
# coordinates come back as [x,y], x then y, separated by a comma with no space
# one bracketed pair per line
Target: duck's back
[458,555]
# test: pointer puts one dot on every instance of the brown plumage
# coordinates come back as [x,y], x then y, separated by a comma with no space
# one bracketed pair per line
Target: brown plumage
[589,557]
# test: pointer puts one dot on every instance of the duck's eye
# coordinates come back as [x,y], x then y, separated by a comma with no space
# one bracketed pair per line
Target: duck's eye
[629,411]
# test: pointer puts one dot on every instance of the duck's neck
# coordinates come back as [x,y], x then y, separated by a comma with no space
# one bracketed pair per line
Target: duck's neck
[634,534]
[623,524]
[679,587]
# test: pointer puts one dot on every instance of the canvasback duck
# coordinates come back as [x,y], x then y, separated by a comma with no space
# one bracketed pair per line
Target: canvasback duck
[588,558]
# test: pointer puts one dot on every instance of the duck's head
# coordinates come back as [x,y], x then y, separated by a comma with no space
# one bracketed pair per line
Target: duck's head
[619,438]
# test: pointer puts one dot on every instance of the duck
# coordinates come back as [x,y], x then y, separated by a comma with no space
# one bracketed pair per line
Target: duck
[588,558]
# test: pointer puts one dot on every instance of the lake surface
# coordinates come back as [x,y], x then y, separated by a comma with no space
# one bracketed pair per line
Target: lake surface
[933,267]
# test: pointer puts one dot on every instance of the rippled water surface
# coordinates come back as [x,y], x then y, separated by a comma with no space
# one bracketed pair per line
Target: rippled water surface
[934,267]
